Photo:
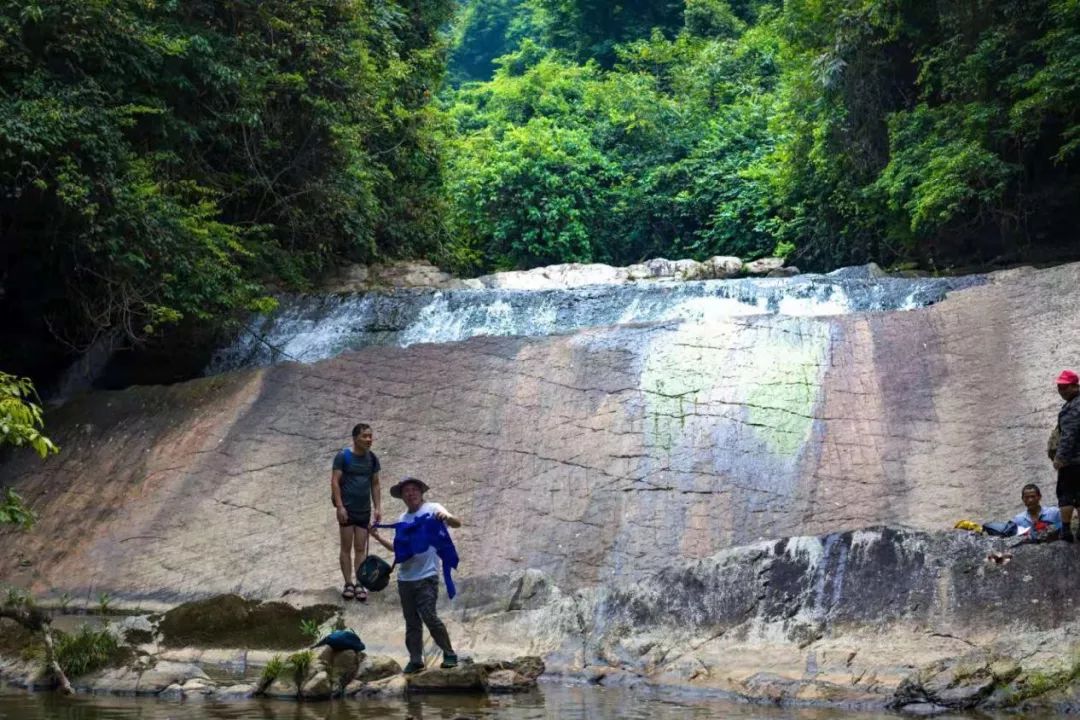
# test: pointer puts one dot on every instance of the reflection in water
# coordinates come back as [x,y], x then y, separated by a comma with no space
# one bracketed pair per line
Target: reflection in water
[551,702]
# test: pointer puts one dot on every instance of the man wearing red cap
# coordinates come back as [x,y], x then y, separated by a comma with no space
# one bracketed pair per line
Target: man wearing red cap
[1066,454]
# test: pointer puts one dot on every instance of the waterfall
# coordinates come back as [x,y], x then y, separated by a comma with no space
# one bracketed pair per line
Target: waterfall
[307,328]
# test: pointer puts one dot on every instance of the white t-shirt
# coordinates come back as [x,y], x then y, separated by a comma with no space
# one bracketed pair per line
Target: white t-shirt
[425,564]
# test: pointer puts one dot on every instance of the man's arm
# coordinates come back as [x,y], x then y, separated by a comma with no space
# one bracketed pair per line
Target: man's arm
[376,497]
[380,539]
[335,488]
[444,515]
[1069,422]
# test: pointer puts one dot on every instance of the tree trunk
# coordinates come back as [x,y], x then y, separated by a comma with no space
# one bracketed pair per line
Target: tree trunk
[37,620]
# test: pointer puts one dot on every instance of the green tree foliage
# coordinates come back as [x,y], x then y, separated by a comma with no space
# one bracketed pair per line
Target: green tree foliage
[592,29]
[854,130]
[20,426]
[162,162]
[929,131]
[553,160]
[484,30]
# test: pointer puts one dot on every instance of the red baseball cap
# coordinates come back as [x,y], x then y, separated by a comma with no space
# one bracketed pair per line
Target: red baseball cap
[1068,377]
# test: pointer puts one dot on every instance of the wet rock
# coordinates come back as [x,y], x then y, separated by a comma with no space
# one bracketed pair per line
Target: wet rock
[411,274]
[404,274]
[720,267]
[508,681]
[687,270]
[163,674]
[27,674]
[618,677]
[465,677]
[869,271]
[957,683]
[134,630]
[528,666]
[235,692]
[283,686]
[923,709]
[118,681]
[173,692]
[342,667]
[784,272]
[197,686]
[318,687]
[391,687]
[763,266]
[660,268]
[376,667]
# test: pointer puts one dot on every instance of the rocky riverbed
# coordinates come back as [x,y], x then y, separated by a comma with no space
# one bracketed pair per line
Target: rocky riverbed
[228,648]
[876,618]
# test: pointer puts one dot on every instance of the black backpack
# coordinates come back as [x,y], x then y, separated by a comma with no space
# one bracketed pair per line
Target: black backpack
[374,573]
[1000,529]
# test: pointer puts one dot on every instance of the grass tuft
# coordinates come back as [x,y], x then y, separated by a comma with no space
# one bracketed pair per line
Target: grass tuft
[86,650]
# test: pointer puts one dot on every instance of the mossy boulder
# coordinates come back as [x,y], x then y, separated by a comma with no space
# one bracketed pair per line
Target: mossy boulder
[233,621]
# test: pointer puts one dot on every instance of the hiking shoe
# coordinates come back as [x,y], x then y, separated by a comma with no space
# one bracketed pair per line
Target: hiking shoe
[449,660]
[1067,535]
[413,667]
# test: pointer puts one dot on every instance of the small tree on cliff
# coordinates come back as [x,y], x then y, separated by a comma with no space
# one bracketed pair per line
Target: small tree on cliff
[20,425]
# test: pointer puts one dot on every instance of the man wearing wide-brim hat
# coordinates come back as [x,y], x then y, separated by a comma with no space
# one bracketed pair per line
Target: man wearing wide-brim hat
[418,578]
[1066,454]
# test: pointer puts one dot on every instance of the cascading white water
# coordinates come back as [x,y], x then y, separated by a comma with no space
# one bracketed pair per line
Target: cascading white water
[310,328]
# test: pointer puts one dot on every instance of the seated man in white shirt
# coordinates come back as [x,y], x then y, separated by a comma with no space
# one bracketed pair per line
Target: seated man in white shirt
[1037,523]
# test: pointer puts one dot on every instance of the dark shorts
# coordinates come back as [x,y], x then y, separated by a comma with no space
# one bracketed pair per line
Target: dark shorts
[1068,486]
[357,518]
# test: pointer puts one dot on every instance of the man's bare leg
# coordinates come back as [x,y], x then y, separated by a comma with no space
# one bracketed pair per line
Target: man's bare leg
[360,539]
[345,556]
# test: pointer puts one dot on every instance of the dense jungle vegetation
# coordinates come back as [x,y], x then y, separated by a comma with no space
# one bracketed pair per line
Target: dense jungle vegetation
[167,165]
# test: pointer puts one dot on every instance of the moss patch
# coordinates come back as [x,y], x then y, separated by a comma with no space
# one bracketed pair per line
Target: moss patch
[782,399]
[234,622]
[14,638]
[774,374]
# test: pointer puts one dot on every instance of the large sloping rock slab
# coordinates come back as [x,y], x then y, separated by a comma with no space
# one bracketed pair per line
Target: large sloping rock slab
[604,454]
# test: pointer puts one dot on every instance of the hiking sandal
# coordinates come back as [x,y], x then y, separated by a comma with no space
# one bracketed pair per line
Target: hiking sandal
[348,592]
[361,593]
